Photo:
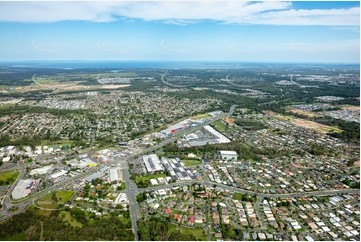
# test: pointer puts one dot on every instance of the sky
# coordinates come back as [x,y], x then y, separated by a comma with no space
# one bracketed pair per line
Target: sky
[270,31]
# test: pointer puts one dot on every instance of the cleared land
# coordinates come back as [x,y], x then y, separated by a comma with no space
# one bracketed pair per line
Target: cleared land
[309,124]
[303,112]
[353,108]
[9,176]
[115,86]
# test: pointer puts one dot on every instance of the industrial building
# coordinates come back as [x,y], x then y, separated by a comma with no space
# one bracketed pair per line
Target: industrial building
[228,155]
[113,175]
[152,163]
[177,170]
[94,176]
[42,170]
[23,188]
[58,174]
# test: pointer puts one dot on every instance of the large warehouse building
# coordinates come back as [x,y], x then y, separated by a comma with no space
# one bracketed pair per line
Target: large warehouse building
[228,155]
[152,163]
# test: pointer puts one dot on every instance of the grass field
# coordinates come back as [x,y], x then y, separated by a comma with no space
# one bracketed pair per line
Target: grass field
[200,116]
[9,175]
[70,219]
[48,202]
[237,196]
[56,142]
[218,125]
[198,233]
[191,162]
[145,178]
[18,237]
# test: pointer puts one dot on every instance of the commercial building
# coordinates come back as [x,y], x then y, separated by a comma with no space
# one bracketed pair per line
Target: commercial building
[58,174]
[94,176]
[42,170]
[113,175]
[23,188]
[152,163]
[228,155]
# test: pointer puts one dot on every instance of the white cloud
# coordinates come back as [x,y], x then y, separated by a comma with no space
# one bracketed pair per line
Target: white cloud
[268,13]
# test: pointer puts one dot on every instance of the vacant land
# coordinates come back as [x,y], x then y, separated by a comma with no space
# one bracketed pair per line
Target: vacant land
[191,162]
[309,124]
[54,199]
[147,178]
[353,108]
[9,177]
[303,112]
[218,125]
[68,218]
[115,86]
[198,233]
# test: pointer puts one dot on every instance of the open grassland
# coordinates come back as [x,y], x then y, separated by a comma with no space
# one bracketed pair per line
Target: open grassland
[218,125]
[191,162]
[18,237]
[198,233]
[9,176]
[68,218]
[200,116]
[52,202]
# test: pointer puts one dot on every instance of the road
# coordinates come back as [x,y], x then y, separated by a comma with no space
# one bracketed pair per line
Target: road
[172,85]
[231,83]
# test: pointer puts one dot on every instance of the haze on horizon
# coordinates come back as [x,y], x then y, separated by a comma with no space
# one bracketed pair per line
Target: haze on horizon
[306,32]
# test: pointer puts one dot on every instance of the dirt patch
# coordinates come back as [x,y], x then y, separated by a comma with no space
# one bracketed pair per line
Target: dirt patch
[229,120]
[115,86]
[353,108]
[309,124]
[357,163]
[303,112]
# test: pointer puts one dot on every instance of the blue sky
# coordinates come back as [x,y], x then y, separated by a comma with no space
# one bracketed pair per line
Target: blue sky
[225,31]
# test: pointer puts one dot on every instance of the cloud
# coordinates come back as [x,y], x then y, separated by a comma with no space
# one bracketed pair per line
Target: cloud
[182,13]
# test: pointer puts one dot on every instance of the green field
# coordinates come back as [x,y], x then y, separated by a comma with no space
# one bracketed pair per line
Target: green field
[200,116]
[198,233]
[70,219]
[147,178]
[56,142]
[191,162]
[8,177]
[237,196]
[18,237]
[218,125]
[49,202]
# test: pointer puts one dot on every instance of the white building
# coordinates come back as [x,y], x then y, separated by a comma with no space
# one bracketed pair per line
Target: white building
[42,170]
[58,174]
[152,163]
[113,174]
[228,155]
